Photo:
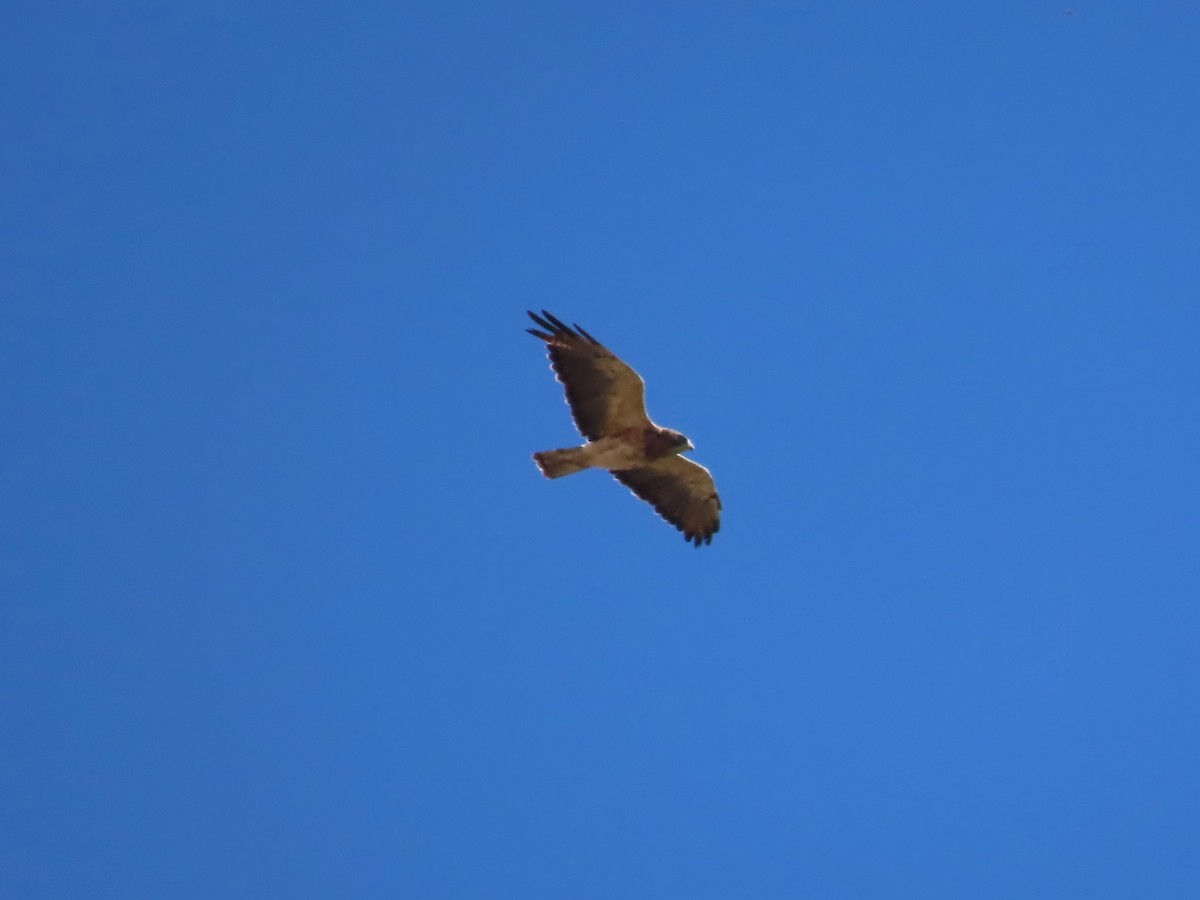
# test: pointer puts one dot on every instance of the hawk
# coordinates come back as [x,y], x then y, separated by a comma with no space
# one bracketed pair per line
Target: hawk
[607,400]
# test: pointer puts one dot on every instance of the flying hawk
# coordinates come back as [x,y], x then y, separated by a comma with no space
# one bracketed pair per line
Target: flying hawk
[607,400]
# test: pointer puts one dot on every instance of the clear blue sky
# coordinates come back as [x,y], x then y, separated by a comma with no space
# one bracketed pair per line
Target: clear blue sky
[286,610]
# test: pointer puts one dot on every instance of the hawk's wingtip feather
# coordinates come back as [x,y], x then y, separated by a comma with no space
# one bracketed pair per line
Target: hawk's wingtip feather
[539,320]
[556,322]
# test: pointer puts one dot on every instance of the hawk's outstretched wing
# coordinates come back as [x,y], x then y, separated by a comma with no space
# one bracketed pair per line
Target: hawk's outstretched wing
[605,395]
[682,492]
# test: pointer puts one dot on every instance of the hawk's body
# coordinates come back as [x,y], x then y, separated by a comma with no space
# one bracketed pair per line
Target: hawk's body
[607,400]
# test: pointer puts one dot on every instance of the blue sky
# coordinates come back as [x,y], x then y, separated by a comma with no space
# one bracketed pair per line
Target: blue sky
[286,608]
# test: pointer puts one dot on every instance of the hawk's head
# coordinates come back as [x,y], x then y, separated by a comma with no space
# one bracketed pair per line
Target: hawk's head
[679,442]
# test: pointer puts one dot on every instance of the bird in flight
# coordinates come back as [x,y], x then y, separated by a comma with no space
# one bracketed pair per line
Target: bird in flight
[607,400]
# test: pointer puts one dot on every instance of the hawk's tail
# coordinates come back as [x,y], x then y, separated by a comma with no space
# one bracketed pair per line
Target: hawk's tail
[557,463]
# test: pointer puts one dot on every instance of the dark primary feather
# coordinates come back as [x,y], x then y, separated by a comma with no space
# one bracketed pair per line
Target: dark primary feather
[605,394]
[556,328]
[682,492]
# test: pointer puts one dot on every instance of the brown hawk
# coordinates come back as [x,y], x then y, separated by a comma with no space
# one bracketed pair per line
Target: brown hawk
[607,400]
